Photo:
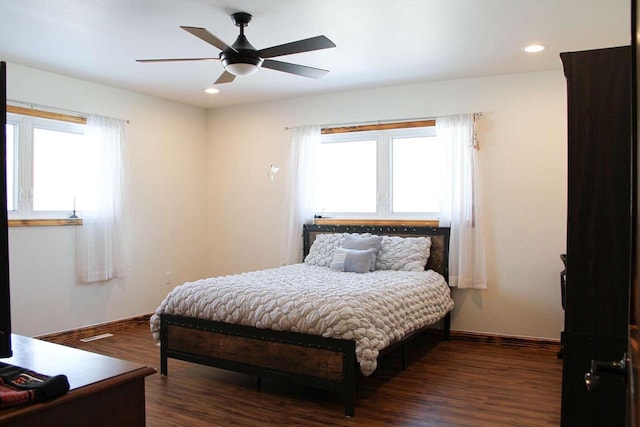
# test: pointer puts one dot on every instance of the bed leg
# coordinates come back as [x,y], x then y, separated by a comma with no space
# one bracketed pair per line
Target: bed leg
[163,365]
[403,351]
[349,404]
[163,357]
[259,383]
[446,331]
[349,378]
[164,343]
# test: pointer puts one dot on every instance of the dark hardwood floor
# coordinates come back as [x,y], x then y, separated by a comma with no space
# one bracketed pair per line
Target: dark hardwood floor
[456,383]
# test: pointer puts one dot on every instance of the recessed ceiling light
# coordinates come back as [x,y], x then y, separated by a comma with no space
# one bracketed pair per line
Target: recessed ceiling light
[212,90]
[534,48]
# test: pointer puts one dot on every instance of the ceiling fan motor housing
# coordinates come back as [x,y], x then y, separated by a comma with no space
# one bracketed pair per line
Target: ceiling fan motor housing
[243,59]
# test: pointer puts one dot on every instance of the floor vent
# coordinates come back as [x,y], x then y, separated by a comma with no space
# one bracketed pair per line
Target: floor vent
[96,337]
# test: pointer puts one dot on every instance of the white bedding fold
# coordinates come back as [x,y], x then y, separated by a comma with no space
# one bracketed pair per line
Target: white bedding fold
[374,309]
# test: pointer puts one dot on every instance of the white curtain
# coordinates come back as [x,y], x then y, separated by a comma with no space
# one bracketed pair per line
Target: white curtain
[458,208]
[305,141]
[103,241]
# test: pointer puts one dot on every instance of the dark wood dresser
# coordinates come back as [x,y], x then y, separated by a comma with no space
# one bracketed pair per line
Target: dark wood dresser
[104,391]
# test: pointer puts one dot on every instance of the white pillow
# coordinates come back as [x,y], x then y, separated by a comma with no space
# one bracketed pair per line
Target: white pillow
[324,246]
[403,253]
[352,260]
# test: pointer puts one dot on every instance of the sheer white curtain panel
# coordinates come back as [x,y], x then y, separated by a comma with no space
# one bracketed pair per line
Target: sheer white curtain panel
[458,208]
[103,241]
[305,141]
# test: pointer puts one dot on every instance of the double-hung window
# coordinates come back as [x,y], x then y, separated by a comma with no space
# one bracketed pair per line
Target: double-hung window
[385,174]
[46,166]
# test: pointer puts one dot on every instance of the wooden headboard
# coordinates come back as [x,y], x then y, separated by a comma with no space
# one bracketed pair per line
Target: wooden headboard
[438,260]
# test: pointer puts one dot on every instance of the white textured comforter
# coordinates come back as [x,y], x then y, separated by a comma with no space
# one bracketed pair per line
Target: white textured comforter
[374,309]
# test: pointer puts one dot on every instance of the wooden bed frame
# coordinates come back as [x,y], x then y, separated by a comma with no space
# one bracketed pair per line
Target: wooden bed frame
[311,360]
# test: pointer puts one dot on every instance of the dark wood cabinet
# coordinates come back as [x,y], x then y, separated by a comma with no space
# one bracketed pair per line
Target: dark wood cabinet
[599,241]
[104,392]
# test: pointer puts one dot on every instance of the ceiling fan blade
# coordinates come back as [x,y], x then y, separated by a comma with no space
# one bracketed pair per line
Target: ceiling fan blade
[176,59]
[301,70]
[225,77]
[206,36]
[306,45]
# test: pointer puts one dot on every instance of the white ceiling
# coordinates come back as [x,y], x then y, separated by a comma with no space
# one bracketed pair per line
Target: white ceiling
[379,42]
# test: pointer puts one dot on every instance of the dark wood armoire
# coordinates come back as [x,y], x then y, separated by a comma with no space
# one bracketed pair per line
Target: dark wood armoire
[599,215]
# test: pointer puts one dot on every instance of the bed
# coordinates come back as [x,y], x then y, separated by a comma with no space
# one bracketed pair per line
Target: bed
[334,330]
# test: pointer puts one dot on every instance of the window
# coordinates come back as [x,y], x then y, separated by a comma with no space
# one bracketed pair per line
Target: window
[379,174]
[46,166]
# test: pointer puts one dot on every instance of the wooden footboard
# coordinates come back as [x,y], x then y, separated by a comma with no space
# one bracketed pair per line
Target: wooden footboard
[324,363]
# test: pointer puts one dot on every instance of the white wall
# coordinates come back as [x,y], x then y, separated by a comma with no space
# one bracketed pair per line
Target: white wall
[167,152]
[522,167]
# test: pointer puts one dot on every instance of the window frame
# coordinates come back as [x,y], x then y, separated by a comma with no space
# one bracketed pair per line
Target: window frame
[384,163]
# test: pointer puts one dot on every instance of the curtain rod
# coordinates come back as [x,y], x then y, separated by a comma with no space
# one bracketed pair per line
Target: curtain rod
[61,110]
[476,116]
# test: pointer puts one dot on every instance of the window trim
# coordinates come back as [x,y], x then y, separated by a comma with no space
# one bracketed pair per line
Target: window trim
[46,114]
[379,126]
[379,222]
[43,222]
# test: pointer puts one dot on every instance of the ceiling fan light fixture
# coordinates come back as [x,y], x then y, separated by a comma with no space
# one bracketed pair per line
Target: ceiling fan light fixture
[241,69]
[242,63]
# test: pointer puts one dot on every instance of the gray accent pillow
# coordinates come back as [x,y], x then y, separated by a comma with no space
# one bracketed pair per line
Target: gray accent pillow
[352,260]
[355,241]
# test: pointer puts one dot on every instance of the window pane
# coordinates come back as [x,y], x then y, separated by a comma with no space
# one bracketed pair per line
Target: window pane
[11,132]
[58,169]
[416,174]
[346,177]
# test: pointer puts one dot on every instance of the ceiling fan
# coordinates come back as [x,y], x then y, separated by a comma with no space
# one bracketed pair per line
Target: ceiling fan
[242,59]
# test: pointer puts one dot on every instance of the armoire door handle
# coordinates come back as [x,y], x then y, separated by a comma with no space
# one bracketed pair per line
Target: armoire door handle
[592,378]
